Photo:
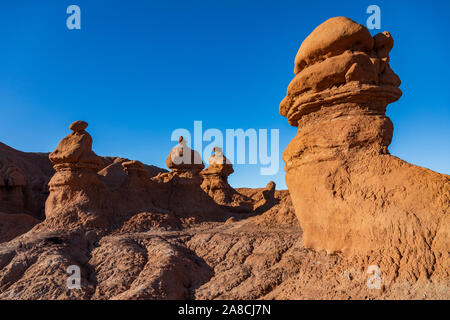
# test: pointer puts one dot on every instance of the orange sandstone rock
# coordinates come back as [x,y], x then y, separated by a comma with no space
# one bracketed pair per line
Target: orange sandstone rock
[332,38]
[350,195]
[218,164]
[184,159]
[13,225]
[77,196]
[215,178]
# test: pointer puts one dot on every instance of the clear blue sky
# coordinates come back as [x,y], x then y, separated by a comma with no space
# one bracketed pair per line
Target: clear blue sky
[138,69]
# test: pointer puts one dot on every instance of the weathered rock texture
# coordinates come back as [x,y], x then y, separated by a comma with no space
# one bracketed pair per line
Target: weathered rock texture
[152,256]
[350,195]
[23,181]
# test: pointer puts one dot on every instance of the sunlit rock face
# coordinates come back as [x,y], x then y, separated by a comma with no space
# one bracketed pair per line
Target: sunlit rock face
[350,195]
[77,196]
[215,177]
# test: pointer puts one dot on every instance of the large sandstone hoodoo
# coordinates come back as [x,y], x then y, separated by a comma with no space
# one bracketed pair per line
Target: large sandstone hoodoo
[349,193]
[77,196]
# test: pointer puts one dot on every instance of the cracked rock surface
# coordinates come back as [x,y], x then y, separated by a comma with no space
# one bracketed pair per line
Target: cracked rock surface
[243,257]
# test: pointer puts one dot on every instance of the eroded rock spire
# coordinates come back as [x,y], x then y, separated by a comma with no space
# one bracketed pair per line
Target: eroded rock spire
[349,194]
[77,196]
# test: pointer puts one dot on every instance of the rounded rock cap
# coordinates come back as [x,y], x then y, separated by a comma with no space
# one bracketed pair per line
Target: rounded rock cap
[332,38]
[78,126]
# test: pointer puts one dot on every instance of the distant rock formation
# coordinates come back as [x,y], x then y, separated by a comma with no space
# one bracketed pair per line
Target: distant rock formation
[84,193]
[204,193]
[14,225]
[114,173]
[13,188]
[75,151]
[23,181]
[136,169]
[184,160]
[350,195]
[24,189]
[215,177]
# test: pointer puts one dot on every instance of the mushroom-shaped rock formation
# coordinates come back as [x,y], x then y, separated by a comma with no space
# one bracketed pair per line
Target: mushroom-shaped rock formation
[75,150]
[183,159]
[350,195]
[215,184]
[215,177]
[77,196]
[218,164]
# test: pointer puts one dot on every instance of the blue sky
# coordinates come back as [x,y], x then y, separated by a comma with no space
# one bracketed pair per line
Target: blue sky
[139,69]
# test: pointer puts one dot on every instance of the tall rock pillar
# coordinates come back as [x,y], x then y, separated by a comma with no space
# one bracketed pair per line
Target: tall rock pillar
[350,195]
